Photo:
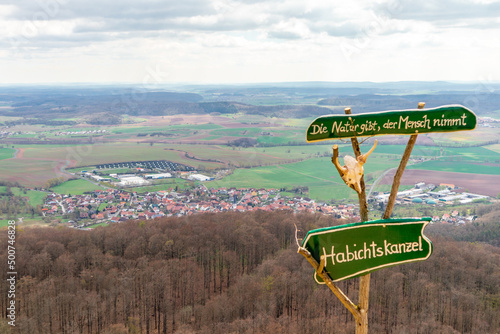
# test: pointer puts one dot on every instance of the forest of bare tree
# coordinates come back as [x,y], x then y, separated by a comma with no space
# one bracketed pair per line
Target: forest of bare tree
[238,273]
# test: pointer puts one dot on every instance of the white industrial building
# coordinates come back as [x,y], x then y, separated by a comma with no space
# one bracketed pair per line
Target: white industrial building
[131,180]
[431,197]
[199,177]
[461,198]
[100,178]
[158,176]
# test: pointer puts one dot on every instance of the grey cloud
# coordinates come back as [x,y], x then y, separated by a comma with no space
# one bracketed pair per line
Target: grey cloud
[133,16]
[284,35]
[252,1]
[135,25]
[44,42]
[485,23]
[349,29]
[92,9]
[166,18]
[160,15]
[447,13]
[437,11]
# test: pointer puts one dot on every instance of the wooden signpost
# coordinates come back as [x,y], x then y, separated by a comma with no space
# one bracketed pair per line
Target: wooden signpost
[342,252]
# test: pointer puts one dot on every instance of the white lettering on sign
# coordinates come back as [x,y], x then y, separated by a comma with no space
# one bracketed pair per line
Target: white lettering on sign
[373,250]
[318,129]
[450,121]
[405,123]
[341,127]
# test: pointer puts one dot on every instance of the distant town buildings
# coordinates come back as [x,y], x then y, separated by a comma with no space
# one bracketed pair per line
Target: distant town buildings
[158,176]
[422,194]
[140,178]
[115,205]
[488,122]
[131,180]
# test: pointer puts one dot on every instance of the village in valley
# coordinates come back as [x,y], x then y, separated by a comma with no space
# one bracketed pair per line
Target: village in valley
[114,205]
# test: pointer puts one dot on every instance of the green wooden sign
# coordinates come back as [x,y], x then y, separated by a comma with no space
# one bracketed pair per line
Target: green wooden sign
[357,249]
[397,122]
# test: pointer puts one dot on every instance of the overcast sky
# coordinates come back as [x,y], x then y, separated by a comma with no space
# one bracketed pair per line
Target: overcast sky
[214,41]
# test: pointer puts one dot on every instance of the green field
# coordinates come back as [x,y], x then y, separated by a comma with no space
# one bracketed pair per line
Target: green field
[78,129]
[166,184]
[281,137]
[178,128]
[7,118]
[75,187]
[4,222]
[25,135]
[278,177]
[494,148]
[36,197]
[318,174]
[237,132]
[6,153]
[479,154]
[79,187]
[207,126]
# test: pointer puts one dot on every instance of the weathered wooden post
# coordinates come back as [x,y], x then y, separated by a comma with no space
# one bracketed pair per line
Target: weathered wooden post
[364,281]
[374,244]
[399,173]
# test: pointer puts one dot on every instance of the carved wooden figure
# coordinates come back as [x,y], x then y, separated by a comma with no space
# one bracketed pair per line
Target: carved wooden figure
[353,170]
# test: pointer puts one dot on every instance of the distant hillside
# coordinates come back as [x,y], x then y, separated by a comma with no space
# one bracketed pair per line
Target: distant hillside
[290,100]
[147,104]
[287,111]
[483,104]
[68,104]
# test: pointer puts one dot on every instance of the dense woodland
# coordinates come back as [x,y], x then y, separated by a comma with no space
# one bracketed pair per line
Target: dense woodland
[238,273]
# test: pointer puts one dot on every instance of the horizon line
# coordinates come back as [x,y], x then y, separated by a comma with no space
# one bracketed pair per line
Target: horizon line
[201,83]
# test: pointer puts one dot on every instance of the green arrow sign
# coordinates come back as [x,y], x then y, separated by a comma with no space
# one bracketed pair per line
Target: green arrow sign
[358,249]
[403,122]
